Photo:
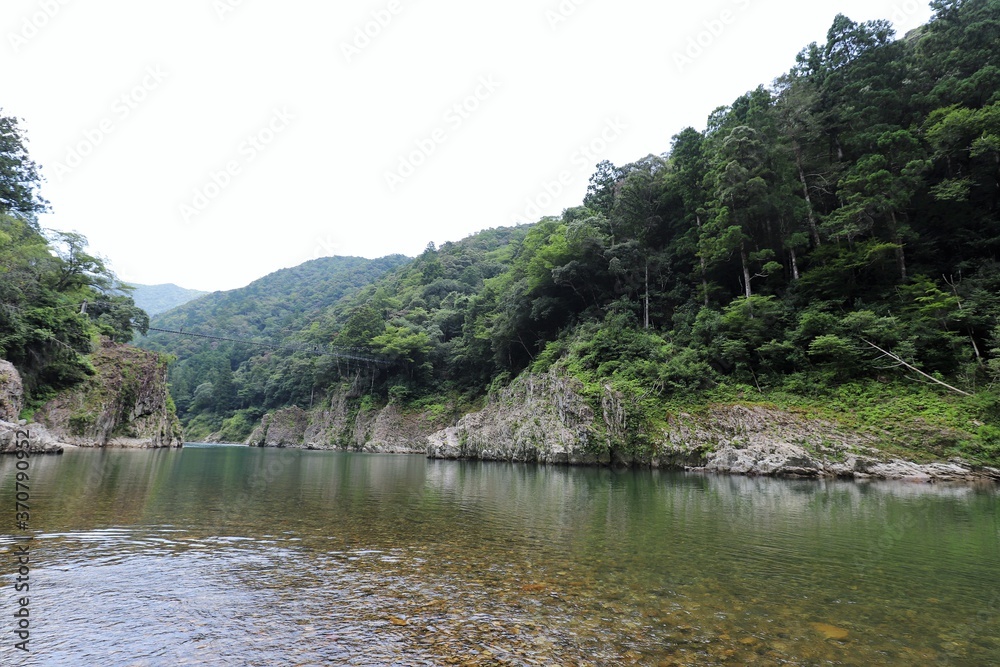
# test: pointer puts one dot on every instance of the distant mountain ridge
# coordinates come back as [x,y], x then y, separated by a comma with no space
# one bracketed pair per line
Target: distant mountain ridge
[292,306]
[156,299]
[281,302]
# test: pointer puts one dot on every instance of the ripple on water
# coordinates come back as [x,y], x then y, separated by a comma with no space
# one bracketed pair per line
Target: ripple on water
[231,601]
[384,561]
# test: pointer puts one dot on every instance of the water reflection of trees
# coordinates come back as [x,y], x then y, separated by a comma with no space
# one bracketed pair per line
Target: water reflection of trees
[610,542]
[93,488]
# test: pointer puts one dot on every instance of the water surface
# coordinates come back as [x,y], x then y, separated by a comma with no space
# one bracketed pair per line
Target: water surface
[239,556]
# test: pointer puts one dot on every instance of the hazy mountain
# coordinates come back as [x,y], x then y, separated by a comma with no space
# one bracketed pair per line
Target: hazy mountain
[156,299]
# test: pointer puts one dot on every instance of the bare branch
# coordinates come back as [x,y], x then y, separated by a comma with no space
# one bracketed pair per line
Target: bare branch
[917,370]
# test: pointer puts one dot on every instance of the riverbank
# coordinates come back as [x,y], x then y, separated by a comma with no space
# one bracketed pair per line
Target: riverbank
[41,441]
[554,418]
[762,440]
[123,404]
[348,421]
[860,431]
[733,439]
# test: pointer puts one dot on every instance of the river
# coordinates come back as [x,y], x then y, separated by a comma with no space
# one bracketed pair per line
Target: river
[217,555]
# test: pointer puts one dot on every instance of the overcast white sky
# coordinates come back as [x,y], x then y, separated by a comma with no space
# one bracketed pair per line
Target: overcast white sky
[210,142]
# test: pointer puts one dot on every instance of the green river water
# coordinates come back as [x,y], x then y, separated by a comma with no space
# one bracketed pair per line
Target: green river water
[218,555]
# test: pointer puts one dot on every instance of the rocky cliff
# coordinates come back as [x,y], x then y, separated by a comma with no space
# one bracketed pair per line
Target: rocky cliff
[15,433]
[11,392]
[124,404]
[348,424]
[539,418]
[547,419]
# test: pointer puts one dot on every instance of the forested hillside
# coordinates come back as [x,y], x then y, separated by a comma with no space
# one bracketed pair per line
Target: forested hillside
[46,277]
[215,378]
[156,299]
[850,205]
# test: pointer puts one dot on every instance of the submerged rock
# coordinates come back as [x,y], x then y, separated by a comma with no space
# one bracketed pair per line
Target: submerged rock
[831,631]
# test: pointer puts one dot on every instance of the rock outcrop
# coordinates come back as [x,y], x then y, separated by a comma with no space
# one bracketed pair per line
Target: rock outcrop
[538,418]
[11,392]
[340,426]
[757,440]
[283,428]
[546,419]
[124,404]
[32,437]
[18,434]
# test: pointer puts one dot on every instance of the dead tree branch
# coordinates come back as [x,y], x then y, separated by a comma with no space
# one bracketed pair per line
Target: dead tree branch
[916,370]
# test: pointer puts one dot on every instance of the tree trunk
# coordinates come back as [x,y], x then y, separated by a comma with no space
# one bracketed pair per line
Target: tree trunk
[701,260]
[898,240]
[521,340]
[972,335]
[813,227]
[746,269]
[795,264]
[646,319]
[704,281]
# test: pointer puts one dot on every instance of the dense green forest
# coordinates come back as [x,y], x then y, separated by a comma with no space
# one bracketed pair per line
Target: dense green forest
[46,277]
[853,203]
